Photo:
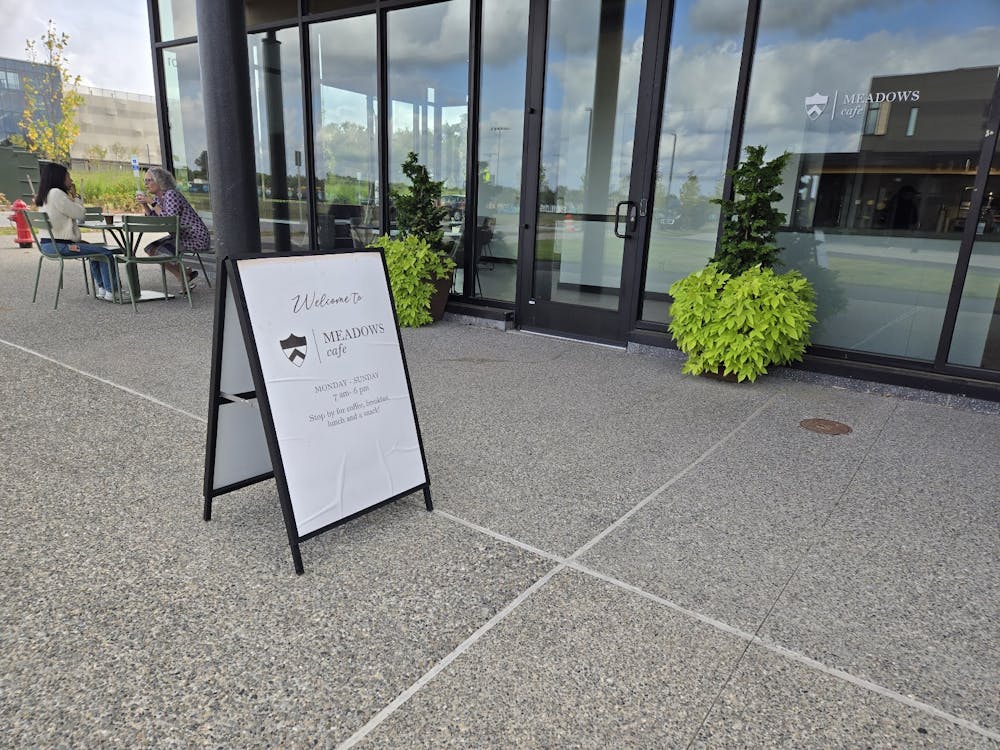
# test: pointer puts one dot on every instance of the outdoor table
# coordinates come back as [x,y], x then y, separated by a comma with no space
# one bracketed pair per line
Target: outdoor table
[117,231]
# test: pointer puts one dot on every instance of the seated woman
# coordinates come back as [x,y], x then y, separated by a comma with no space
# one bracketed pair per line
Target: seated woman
[58,199]
[164,199]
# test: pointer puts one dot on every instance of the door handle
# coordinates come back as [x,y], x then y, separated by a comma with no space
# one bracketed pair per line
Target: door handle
[630,217]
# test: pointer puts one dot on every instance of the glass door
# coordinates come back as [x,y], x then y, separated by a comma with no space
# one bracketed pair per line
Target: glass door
[583,240]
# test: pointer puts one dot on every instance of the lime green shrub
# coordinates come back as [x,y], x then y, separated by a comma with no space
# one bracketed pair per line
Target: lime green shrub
[413,265]
[739,325]
[737,316]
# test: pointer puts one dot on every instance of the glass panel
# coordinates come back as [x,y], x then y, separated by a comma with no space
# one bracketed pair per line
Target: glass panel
[322,6]
[977,333]
[428,95]
[177,19]
[186,125]
[279,139]
[591,84]
[875,215]
[694,146]
[501,125]
[265,11]
[345,111]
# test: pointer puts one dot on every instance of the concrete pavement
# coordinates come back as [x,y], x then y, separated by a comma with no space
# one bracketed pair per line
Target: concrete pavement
[619,556]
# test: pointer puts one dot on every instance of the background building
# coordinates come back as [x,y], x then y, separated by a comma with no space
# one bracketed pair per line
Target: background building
[114,127]
[581,143]
[12,76]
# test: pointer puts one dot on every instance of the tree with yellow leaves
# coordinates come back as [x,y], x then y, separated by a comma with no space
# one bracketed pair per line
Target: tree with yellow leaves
[48,123]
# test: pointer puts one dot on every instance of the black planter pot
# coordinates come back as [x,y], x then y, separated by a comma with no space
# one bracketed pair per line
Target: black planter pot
[442,288]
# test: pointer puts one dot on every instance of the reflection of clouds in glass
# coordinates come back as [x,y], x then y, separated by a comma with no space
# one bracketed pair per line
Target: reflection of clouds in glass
[428,49]
[340,106]
[785,74]
[717,16]
[185,105]
[195,138]
[505,22]
[432,34]
[343,53]
[573,27]
[569,100]
[701,115]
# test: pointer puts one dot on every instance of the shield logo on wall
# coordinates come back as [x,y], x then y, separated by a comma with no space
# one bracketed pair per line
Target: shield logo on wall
[815,105]
[294,348]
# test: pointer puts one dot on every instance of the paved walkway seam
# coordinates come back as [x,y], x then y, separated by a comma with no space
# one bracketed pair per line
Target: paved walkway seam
[676,477]
[126,389]
[572,563]
[403,697]
[751,639]
[430,674]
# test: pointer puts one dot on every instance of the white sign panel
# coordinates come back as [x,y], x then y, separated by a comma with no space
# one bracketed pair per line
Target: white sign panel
[333,371]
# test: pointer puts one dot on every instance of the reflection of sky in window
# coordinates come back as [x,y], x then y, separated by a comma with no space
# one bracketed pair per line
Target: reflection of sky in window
[429,48]
[185,107]
[702,73]
[291,94]
[569,89]
[857,41]
[850,19]
[344,106]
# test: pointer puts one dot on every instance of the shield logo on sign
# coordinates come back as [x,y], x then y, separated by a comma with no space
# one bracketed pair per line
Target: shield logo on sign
[815,105]
[294,348]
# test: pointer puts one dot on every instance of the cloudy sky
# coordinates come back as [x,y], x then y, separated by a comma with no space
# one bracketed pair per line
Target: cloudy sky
[108,41]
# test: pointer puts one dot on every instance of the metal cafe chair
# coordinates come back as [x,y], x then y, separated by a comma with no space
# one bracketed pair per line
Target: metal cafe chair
[135,228]
[94,215]
[184,252]
[39,221]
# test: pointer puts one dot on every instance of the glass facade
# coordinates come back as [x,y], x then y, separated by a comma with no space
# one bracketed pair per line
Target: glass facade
[177,19]
[14,74]
[883,115]
[693,149]
[591,88]
[345,131]
[503,51]
[593,197]
[279,139]
[976,342]
[187,139]
[428,96]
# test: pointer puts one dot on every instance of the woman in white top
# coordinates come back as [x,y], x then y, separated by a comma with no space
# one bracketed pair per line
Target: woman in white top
[57,197]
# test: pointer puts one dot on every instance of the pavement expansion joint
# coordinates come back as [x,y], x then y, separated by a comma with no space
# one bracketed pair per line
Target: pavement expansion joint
[104,381]
[572,563]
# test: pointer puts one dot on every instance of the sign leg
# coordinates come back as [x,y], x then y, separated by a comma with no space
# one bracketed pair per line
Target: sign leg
[427,497]
[207,512]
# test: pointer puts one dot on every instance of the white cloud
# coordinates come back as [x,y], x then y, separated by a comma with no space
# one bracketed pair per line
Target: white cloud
[717,16]
[108,45]
[784,74]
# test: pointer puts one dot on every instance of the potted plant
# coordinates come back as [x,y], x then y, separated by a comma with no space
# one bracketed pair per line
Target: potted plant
[736,316]
[414,269]
[425,280]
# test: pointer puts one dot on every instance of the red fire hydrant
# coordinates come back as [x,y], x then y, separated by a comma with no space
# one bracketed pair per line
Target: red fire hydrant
[21,222]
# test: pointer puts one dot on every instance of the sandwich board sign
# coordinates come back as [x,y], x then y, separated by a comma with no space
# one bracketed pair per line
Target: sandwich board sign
[310,387]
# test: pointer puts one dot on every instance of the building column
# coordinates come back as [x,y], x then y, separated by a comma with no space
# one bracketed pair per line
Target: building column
[225,80]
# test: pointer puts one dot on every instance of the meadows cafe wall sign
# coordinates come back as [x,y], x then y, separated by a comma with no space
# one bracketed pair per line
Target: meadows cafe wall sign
[854,104]
[310,387]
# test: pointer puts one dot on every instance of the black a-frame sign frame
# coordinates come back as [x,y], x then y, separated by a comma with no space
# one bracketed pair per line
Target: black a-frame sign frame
[310,386]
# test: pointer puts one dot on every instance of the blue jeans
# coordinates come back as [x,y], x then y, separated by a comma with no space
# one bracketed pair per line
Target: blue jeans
[105,274]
